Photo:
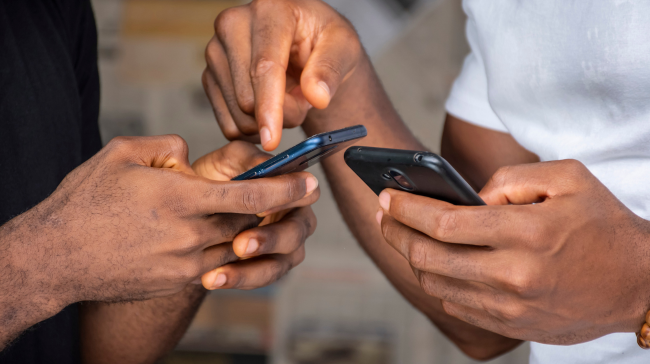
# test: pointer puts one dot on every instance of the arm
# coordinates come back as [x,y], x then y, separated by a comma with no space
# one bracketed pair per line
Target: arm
[258,57]
[136,332]
[467,147]
[135,222]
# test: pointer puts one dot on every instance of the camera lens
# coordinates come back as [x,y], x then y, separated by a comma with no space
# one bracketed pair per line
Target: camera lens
[401,181]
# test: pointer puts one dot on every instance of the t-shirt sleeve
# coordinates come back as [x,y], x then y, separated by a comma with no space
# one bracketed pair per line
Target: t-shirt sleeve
[468,99]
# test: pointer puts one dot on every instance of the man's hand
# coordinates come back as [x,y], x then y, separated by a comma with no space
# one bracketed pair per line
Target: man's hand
[134,222]
[137,333]
[277,245]
[554,258]
[271,60]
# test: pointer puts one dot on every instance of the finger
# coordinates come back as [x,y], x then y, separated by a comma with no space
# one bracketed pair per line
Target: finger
[308,200]
[253,273]
[495,226]
[233,29]
[221,112]
[217,256]
[230,161]
[162,151]
[218,65]
[471,294]
[478,318]
[532,183]
[247,197]
[295,106]
[334,58]
[283,237]
[426,254]
[272,37]
[221,228]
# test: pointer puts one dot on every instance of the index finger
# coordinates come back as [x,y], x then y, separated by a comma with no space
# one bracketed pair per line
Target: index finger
[495,226]
[251,197]
[272,37]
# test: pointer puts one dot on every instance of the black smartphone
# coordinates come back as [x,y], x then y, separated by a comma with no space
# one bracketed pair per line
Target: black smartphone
[306,154]
[422,173]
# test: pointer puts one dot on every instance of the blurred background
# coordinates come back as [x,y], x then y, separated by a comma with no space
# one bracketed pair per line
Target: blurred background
[335,308]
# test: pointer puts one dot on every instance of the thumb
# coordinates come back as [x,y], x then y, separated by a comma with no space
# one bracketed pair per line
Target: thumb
[333,60]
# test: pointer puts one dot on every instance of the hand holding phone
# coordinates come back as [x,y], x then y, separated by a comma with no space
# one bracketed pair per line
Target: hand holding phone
[422,173]
[306,154]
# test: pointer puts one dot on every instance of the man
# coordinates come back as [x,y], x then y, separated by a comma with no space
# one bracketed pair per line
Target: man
[561,254]
[134,223]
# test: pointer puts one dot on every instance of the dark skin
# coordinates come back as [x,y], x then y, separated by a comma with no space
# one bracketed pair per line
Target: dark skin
[371,108]
[138,224]
[554,257]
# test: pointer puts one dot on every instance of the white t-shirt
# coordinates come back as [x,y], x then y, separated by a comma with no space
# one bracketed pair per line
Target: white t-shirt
[567,79]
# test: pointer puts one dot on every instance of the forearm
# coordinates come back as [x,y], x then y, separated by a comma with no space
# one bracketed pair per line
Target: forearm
[137,332]
[30,293]
[362,100]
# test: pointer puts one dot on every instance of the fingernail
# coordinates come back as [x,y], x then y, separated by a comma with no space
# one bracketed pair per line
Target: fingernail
[265,135]
[220,281]
[253,244]
[324,86]
[384,200]
[197,282]
[380,215]
[312,184]
[309,106]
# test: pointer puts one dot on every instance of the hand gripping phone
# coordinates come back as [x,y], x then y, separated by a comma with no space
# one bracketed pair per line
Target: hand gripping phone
[421,173]
[306,154]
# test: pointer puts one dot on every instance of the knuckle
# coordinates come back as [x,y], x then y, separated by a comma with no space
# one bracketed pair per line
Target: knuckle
[500,177]
[511,313]
[225,21]
[212,49]
[189,243]
[264,67]
[418,252]
[574,169]
[190,271]
[252,200]
[521,282]
[299,257]
[427,284]
[120,144]
[311,222]
[445,224]
[230,131]
[261,5]
[205,79]
[246,102]
[449,308]
[177,144]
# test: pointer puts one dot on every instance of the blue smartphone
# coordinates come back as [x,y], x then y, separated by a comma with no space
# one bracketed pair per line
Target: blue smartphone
[306,154]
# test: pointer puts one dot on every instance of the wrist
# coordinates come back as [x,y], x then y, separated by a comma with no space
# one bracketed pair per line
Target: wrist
[638,310]
[32,274]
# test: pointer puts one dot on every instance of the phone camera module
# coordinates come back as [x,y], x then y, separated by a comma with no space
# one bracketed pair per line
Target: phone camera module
[417,158]
[401,181]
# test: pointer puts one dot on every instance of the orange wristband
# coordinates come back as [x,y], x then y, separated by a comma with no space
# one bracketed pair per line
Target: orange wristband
[643,336]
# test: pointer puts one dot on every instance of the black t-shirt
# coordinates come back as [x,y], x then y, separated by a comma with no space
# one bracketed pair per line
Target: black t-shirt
[49,105]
